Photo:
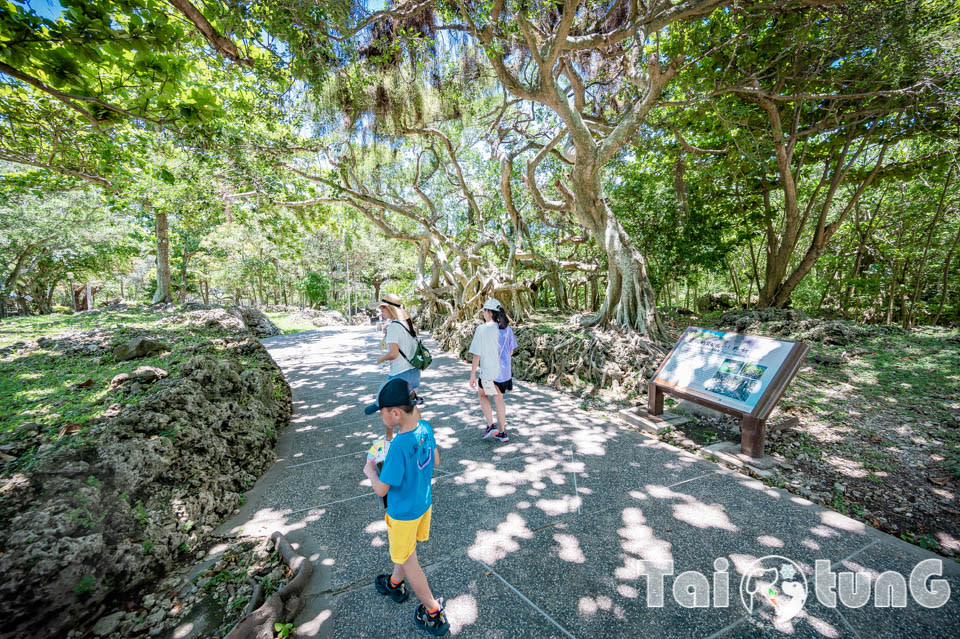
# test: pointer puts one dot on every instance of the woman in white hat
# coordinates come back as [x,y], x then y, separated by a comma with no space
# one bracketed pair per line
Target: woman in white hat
[492,345]
[401,342]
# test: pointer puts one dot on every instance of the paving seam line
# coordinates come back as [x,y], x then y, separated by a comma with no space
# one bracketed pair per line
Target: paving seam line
[576,490]
[611,507]
[847,558]
[854,553]
[521,595]
[445,475]
[727,629]
[317,461]
[361,421]
[330,503]
[714,472]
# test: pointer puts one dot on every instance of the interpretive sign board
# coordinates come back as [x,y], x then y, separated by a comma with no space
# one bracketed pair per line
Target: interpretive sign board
[741,375]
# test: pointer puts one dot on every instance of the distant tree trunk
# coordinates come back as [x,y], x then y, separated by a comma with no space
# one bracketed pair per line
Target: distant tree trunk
[920,276]
[23,307]
[184,263]
[162,294]
[862,237]
[733,278]
[48,298]
[205,291]
[835,276]
[89,297]
[122,296]
[944,288]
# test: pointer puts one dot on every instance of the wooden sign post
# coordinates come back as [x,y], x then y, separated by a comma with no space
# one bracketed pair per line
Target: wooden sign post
[740,375]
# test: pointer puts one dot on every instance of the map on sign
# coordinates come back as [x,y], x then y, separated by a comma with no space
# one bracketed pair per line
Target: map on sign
[731,369]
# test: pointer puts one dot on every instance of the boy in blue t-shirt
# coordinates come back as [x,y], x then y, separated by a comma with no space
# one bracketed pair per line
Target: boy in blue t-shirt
[406,474]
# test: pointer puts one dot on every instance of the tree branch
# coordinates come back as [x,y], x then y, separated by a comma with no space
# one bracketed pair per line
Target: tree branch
[220,44]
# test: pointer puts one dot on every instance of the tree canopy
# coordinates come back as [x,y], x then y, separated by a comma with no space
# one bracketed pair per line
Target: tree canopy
[604,158]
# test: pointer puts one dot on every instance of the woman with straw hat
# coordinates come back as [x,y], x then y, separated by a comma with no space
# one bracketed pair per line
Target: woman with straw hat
[401,342]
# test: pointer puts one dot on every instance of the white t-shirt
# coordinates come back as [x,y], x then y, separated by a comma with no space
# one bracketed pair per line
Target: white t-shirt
[398,334]
[486,344]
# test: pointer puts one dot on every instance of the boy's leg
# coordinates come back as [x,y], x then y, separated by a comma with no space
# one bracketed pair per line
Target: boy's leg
[417,580]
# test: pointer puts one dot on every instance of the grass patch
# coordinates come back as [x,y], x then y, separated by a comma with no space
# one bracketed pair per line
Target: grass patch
[45,389]
[290,323]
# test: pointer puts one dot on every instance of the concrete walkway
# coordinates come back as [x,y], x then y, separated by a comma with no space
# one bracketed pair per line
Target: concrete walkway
[547,535]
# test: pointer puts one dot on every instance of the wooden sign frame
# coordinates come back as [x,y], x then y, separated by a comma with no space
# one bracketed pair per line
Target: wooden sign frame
[753,423]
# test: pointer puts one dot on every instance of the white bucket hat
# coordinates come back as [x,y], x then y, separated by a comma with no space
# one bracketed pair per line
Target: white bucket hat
[492,305]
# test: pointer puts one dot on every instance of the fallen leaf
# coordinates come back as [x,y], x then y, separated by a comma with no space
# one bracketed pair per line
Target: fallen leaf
[86,384]
[69,429]
[951,511]
[7,458]
[940,481]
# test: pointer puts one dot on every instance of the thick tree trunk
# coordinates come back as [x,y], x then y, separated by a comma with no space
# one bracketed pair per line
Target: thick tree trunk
[10,282]
[162,293]
[629,298]
[560,293]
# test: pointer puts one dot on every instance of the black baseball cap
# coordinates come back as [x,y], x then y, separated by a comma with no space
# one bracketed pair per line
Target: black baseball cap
[394,392]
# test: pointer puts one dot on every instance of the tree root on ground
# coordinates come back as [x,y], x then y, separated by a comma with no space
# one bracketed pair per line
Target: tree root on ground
[282,605]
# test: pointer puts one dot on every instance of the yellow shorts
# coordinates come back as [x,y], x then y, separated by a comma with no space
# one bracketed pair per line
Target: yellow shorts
[403,535]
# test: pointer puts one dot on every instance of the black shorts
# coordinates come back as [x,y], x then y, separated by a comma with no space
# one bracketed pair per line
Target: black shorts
[503,386]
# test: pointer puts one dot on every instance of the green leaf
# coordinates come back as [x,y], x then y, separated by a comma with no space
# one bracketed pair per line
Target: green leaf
[166,176]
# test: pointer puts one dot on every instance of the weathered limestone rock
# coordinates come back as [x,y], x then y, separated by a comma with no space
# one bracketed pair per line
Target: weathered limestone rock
[233,319]
[145,374]
[138,347]
[107,625]
[327,318]
[257,322]
[89,522]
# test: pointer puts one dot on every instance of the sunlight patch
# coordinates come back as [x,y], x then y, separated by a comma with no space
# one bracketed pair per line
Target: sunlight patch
[570,549]
[461,612]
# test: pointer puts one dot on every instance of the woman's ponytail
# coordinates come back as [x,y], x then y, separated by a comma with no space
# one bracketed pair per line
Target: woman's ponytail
[501,318]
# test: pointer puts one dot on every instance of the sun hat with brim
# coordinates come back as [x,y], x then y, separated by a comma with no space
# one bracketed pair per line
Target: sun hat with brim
[394,392]
[492,305]
[393,302]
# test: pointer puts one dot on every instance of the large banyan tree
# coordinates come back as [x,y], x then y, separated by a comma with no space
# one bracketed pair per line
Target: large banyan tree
[590,73]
